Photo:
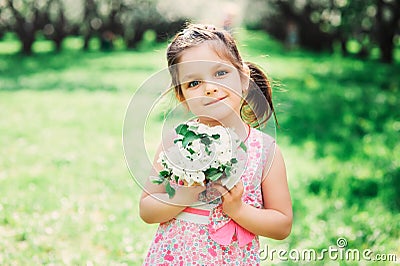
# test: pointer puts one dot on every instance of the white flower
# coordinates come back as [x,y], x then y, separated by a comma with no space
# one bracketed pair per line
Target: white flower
[197,176]
[224,156]
[203,129]
[177,171]
[161,157]
[224,151]
[184,152]
[189,163]
[220,130]
[233,136]
[197,146]
[195,165]
[173,157]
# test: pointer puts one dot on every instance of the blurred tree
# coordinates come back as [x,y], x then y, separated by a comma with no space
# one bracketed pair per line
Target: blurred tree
[136,19]
[355,22]
[388,23]
[103,19]
[129,19]
[109,22]
[166,29]
[140,16]
[371,23]
[307,17]
[89,17]
[3,19]
[57,26]
[28,17]
[319,24]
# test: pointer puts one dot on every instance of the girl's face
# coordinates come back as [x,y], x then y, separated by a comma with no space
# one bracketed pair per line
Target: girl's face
[211,86]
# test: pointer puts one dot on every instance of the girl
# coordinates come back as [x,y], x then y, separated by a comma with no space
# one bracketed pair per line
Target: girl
[212,81]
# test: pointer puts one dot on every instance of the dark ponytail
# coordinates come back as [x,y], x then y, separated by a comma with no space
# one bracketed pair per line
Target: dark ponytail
[257,106]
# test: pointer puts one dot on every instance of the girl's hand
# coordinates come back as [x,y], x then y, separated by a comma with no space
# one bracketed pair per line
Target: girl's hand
[231,199]
[187,195]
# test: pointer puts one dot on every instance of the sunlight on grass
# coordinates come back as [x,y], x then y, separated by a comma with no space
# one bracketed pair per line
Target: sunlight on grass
[9,44]
[64,176]
[43,46]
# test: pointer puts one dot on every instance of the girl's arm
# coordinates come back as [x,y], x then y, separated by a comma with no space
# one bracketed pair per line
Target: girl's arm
[275,221]
[156,206]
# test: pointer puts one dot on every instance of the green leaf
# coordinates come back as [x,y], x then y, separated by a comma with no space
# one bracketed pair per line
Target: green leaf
[158,181]
[215,136]
[193,127]
[234,160]
[243,146]
[207,151]
[210,171]
[205,140]
[189,137]
[176,140]
[181,129]
[164,173]
[215,176]
[170,190]
[191,151]
[227,170]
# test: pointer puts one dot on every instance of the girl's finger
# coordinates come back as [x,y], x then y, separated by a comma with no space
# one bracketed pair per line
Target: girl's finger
[238,189]
[222,189]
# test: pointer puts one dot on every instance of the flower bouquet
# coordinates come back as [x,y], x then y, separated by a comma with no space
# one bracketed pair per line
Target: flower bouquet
[200,154]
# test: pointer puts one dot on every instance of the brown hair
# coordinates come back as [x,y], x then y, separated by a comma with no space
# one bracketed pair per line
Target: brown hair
[257,105]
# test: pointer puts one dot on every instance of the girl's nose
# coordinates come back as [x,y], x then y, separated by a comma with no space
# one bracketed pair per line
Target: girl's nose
[210,89]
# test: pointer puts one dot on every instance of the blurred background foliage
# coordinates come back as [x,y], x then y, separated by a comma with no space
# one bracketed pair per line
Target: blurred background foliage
[354,26]
[68,69]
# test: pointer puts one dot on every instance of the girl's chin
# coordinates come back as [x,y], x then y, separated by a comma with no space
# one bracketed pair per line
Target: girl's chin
[215,117]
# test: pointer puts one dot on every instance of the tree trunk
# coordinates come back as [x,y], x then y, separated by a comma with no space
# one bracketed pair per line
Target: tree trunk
[86,42]
[27,44]
[26,34]
[343,46]
[58,44]
[134,40]
[386,47]
[386,28]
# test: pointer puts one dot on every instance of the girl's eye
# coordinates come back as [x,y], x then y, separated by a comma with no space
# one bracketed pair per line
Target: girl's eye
[221,73]
[193,83]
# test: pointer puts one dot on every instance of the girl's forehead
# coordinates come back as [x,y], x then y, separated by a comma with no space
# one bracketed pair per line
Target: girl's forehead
[203,57]
[205,51]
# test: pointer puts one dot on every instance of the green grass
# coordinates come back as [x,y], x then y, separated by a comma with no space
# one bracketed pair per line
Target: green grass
[67,196]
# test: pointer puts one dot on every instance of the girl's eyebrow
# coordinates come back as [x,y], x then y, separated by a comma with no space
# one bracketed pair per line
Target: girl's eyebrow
[188,77]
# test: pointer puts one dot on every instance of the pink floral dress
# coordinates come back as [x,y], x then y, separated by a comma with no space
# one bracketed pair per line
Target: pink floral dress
[204,235]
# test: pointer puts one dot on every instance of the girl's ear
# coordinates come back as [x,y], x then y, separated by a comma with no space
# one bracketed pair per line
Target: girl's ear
[245,77]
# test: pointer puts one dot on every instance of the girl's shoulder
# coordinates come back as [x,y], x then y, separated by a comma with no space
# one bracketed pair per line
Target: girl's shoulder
[264,145]
[263,138]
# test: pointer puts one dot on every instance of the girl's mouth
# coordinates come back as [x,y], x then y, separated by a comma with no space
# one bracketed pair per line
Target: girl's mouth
[216,100]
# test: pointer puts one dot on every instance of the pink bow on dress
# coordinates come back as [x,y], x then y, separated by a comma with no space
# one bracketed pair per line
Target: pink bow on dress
[223,229]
